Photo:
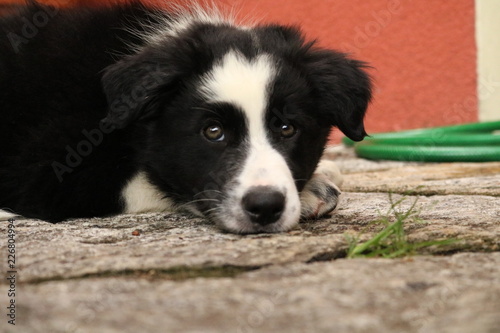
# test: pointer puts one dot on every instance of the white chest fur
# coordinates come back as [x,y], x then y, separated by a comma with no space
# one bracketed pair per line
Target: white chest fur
[140,196]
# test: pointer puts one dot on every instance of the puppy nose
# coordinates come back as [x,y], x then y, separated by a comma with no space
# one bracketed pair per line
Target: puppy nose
[263,204]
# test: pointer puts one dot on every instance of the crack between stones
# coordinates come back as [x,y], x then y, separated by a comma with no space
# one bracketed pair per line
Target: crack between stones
[328,256]
[429,193]
[178,273]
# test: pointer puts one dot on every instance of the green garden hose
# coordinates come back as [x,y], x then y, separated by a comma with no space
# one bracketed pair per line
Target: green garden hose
[474,142]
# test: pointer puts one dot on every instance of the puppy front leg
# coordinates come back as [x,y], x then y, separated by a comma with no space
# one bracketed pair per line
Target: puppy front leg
[321,194]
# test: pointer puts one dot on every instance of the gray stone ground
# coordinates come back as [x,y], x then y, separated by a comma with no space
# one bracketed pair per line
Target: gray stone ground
[181,274]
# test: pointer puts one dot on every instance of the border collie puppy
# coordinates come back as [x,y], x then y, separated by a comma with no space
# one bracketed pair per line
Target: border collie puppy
[130,109]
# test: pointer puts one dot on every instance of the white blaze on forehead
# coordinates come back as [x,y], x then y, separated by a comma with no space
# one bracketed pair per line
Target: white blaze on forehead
[240,81]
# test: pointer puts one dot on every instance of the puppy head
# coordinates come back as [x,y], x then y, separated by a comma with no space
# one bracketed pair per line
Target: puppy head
[234,120]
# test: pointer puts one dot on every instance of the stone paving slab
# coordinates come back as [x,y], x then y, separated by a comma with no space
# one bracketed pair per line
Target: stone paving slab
[416,178]
[468,179]
[81,247]
[174,273]
[459,293]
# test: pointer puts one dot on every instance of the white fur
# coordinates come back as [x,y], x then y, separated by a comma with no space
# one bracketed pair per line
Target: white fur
[266,167]
[184,16]
[329,170]
[140,196]
[4,215]
[327,174]
[246,84]
[241,82]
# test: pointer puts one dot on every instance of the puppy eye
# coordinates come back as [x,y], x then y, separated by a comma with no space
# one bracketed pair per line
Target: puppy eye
[287,131]
[214,132]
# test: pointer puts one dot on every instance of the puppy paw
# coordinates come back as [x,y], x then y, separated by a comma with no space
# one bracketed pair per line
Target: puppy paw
[321,194]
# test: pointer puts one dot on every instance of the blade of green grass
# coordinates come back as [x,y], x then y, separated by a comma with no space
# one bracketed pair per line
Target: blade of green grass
[391,241]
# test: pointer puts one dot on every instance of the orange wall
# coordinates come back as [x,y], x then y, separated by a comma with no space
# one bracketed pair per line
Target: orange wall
[423,53]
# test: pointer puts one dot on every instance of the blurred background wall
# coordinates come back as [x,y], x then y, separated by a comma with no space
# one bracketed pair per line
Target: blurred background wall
[425,54]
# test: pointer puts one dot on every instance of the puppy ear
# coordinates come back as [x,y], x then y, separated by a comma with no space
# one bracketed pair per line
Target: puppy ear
[132,86]
[343,89]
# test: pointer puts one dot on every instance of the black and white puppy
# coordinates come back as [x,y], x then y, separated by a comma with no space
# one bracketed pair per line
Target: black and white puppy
[129,109]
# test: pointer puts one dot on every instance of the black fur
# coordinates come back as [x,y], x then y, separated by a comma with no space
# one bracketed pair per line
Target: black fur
[76,80]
